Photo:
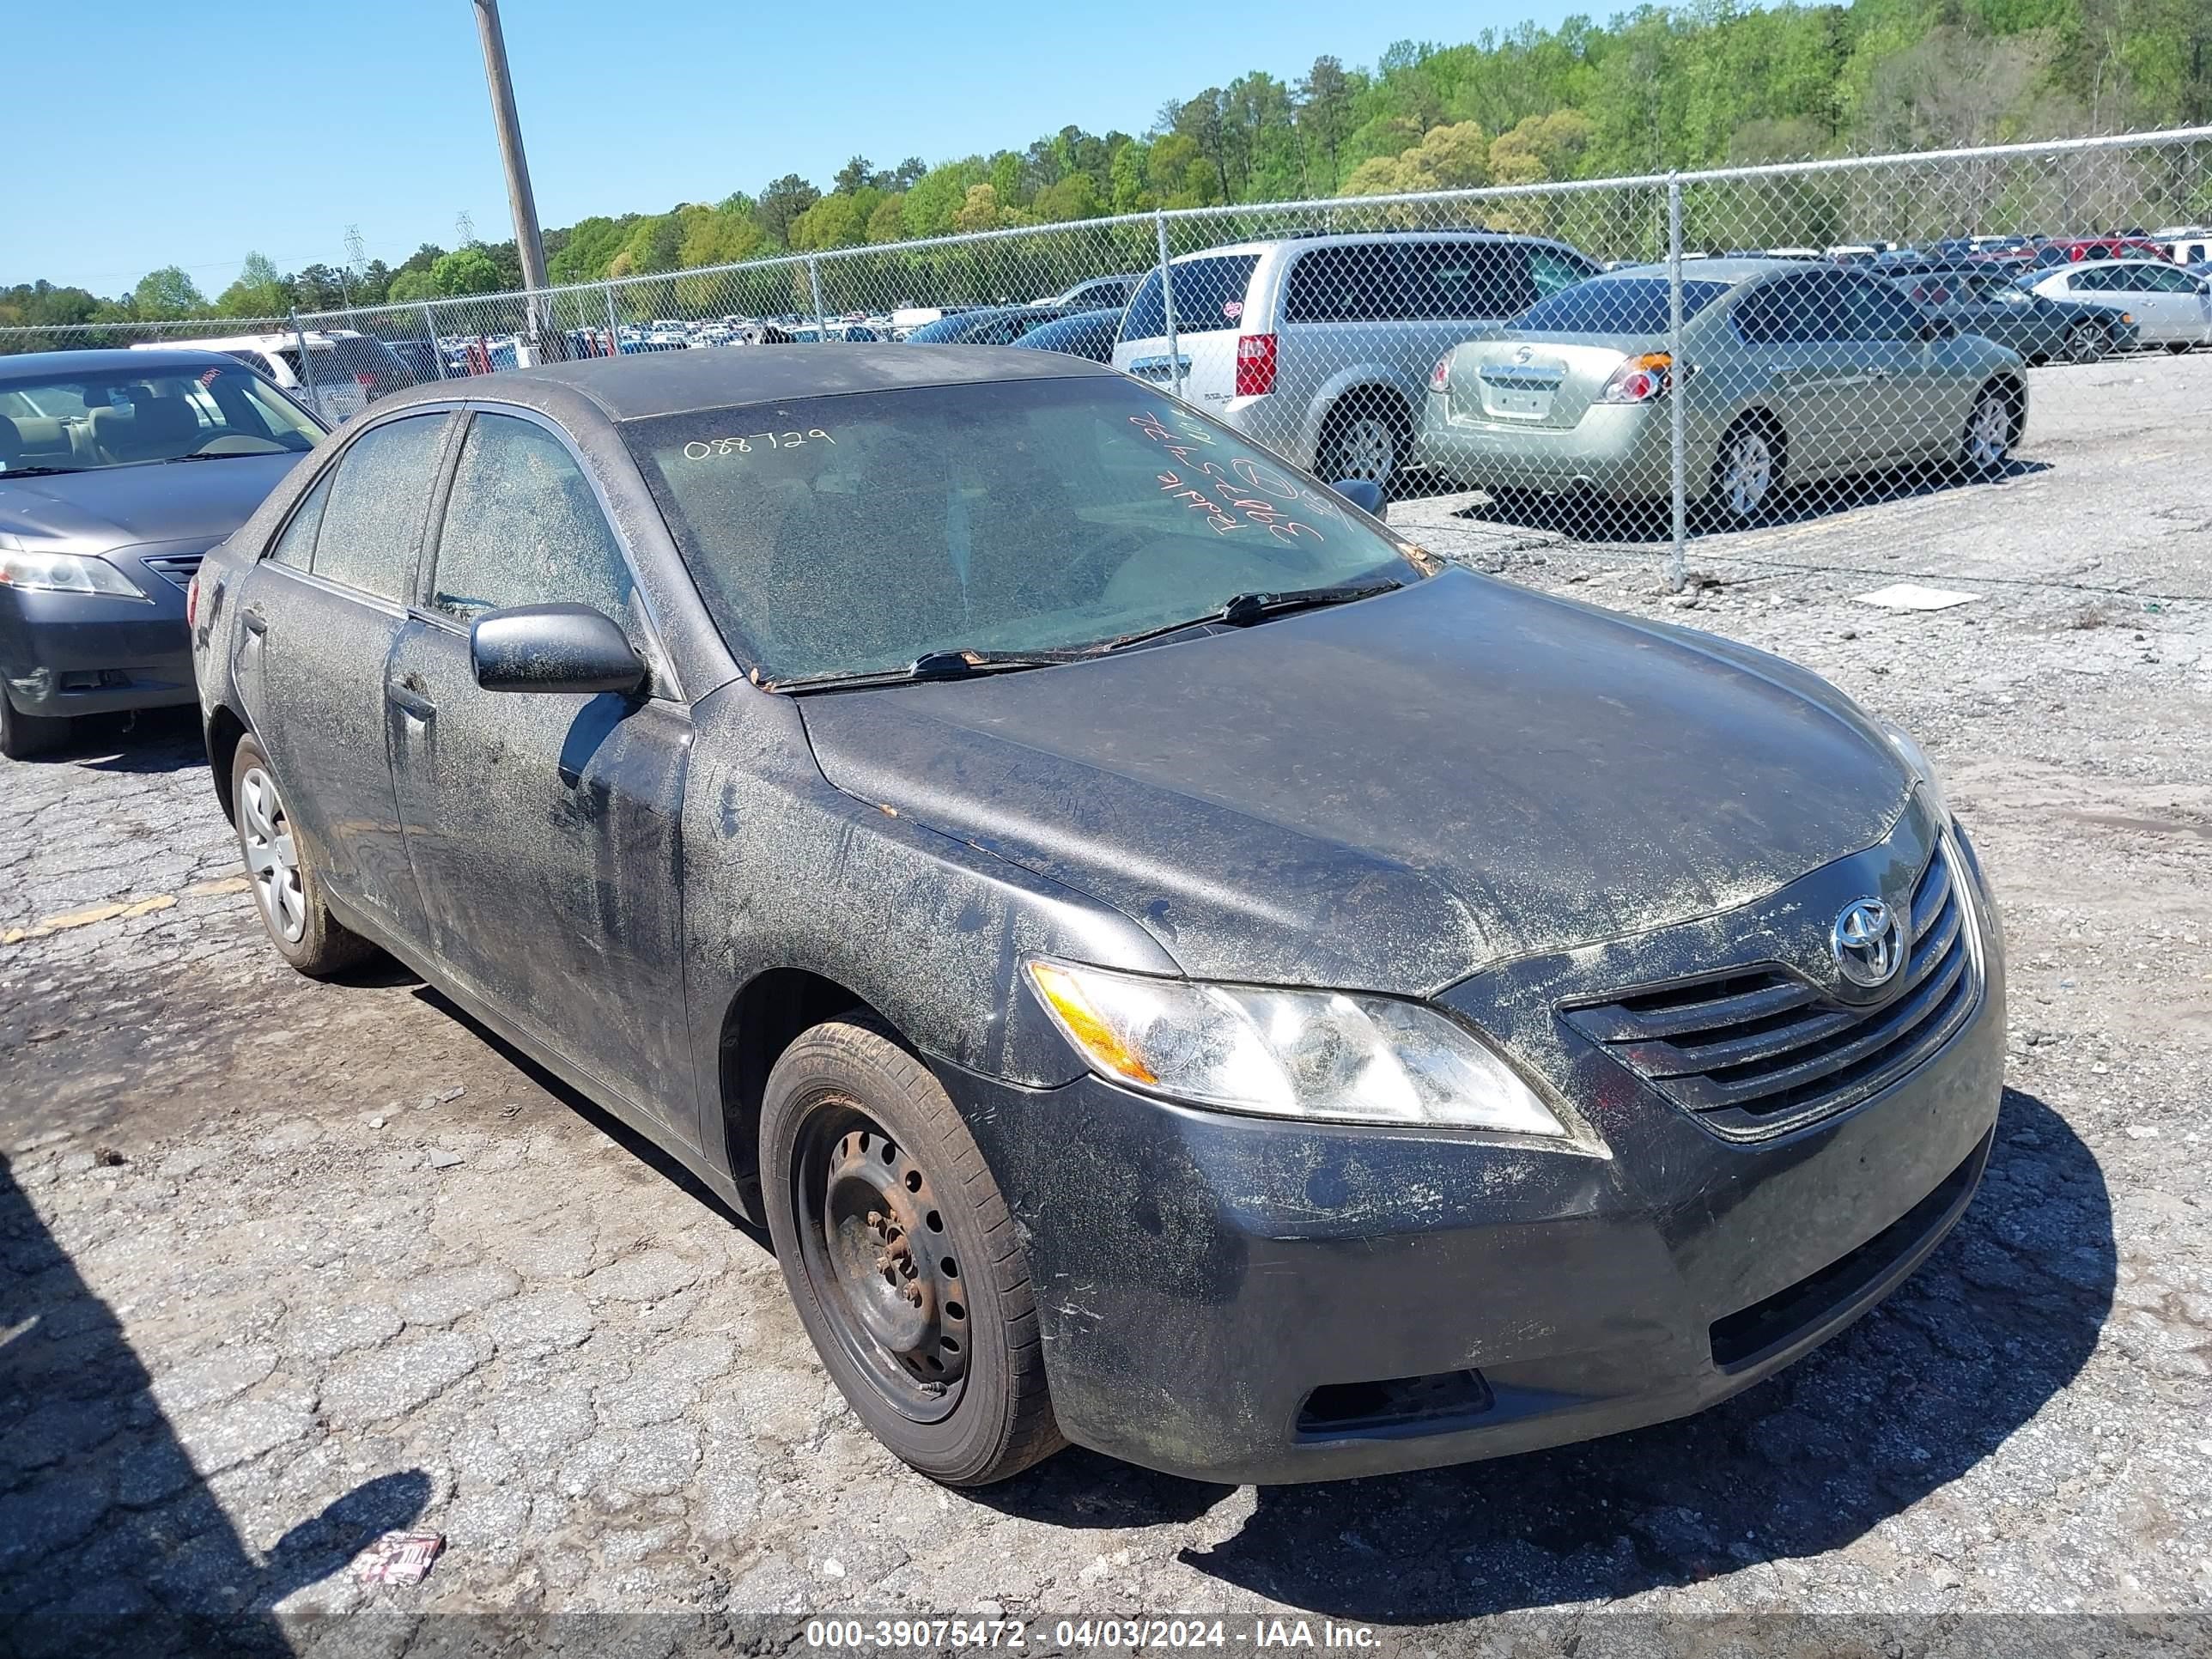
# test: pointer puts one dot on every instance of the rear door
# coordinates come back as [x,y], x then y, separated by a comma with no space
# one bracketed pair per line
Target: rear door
[318,618]
[2183,311]
[544,829]
[1210,292]
[1911,398]
[1813,380]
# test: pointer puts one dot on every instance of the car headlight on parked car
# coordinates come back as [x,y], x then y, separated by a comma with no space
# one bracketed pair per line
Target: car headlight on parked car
[1323,1056]
[66,572]
[1922,769]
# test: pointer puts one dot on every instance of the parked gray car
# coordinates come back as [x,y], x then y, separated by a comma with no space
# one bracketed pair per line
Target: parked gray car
[1172,966]
[1801,372]
[1989,303]
[1319,347]
[101,529]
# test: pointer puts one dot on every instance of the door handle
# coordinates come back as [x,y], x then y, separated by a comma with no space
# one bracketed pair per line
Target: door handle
[255,623]
[410,700]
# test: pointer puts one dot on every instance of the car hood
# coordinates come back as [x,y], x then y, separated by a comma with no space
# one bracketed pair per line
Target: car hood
[118,506]
[1392,794]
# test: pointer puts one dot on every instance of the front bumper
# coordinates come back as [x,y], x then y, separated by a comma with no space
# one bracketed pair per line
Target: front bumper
[66,653]
[1243,1300]
[1623,451]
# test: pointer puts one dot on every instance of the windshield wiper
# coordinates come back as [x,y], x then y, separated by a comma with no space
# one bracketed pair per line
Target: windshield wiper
[220,455]
[930,665]
[1242,610]
[40,472]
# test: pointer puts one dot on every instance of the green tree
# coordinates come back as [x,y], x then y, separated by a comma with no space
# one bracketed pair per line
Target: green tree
[465,271]
[783,201]
[258,291]
[167,293]
[888,222]
[410,286]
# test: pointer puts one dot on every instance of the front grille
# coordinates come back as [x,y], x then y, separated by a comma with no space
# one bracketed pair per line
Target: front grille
[1761,1051]
[179,568]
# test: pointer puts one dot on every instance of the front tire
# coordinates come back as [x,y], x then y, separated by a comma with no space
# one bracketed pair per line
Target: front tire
[2086,343]
[900,1256]
[23,736]
[286,890]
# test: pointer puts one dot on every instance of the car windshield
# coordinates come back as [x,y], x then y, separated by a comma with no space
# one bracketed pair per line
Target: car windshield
[1616,305]
[58,420]
[861,532]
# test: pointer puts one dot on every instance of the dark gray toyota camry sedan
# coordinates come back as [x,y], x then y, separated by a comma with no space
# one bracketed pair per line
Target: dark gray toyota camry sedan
[1174,967]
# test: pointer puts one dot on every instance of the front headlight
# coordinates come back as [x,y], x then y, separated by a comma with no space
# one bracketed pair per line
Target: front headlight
[1922,769]
[66,572]
[1324,1056]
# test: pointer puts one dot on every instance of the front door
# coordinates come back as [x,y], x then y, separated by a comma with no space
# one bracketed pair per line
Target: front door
[318,617]
[544,829]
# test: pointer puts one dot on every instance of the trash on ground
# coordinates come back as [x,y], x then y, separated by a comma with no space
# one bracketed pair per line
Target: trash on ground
[1911,596]
[402,1558]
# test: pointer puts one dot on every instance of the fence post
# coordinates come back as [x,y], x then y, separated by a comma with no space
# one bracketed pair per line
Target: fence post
[1678,373]
[1167,301]
[814,280]
[430,333]
[307,362]
[614,324]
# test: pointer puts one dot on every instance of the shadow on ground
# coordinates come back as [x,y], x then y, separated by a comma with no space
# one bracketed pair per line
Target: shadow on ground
[1996,1323]
[110,1539]
[1598,519]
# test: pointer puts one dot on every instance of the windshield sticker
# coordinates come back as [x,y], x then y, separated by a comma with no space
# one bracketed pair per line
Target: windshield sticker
[705,449]
[1263,495]
[1232,309]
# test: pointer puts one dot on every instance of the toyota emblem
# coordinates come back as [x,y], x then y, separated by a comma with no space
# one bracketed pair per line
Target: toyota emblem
[1867,942]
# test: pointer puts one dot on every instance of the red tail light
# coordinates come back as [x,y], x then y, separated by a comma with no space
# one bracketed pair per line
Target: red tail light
[192,600]
[1440,376]
[364,381]
[1256,365]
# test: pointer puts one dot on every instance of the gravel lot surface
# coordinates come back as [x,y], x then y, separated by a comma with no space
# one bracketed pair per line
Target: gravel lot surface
[284,1265]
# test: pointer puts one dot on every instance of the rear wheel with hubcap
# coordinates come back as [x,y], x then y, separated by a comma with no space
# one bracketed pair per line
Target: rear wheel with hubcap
[285,889]
[1363,440]
[1748,471]
[1992,428]
[900,1256]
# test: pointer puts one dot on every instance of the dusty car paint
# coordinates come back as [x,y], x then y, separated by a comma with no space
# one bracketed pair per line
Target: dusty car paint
[1461,791]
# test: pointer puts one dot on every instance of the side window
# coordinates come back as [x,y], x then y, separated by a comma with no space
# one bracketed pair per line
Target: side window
[1793,311]
[1877,311]
[2090,282]
[1448,281]
[377,496]
[296,546]
[1352,283]
[2163,279]
[522,527]
[1552,271]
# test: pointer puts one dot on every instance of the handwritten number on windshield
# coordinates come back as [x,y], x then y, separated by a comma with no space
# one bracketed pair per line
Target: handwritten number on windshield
[699,450]
[1256,491]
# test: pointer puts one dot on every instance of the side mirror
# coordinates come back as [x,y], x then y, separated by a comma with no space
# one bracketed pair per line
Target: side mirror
[1363,493]
[552,648]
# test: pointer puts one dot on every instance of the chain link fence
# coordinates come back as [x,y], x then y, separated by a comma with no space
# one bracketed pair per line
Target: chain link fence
[1636,361]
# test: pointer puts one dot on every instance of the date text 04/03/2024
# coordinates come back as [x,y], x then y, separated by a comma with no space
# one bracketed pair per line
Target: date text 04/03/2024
[1085,1634]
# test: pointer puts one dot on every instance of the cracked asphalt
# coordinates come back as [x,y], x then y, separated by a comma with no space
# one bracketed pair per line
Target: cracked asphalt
[287,1265]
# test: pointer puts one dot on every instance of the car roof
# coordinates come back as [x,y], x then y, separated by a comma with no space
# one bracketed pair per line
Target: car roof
[1339,239]
[110,360]
[2099,265]
[644,384]
[1727,271]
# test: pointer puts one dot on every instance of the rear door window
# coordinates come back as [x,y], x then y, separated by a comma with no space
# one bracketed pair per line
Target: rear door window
[1875,311]
[1474,281]
[373,517]
[1209,295]
[1357,283]
[296,546]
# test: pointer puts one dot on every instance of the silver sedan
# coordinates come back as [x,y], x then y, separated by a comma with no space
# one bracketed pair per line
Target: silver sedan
[1792,375]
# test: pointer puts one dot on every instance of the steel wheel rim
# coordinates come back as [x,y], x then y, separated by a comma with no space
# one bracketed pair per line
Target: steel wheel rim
[1366,448]
[879,1256]
[272,857]
[1748,473]
[1989,434]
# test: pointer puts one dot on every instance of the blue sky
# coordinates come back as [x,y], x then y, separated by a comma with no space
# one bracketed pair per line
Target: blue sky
[190,135]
